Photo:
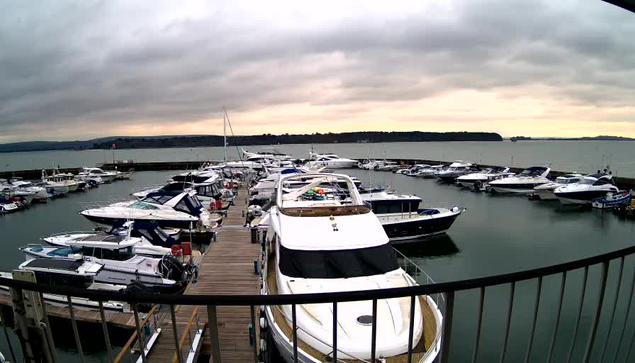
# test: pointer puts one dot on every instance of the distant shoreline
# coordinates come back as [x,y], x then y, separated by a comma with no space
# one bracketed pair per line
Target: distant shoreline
[153,142]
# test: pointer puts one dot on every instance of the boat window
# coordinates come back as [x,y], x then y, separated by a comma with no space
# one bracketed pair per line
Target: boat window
[601,182]
[63,251]
[142,205]
[587,181]
[188,205]
[338,264]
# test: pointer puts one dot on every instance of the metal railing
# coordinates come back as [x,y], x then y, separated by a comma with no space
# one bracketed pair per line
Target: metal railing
[603,307]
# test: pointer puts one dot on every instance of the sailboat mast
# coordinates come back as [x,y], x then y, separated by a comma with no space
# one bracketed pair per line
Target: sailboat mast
[225,135]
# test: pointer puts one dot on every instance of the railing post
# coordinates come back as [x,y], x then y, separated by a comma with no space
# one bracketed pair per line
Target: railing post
[598,312]
[179,355]
[75,330]
[577,323]
[335,331]
[294,324]
[104,327]
[617,298]
[447,327]
[535,319]
[411,326]
[373,336]
[212,323]
[626,315]
[510,310]
[253,324]
[555,328]
[139,332]
[477,340]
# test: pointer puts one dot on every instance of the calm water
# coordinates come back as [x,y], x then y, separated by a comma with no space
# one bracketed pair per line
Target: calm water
[497,234]
[583,156]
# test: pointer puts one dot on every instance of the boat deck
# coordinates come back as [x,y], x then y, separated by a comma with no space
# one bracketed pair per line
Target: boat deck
[419,351]
[227,268]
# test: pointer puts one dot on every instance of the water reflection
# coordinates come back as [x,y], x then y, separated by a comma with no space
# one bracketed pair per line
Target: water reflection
[431,247]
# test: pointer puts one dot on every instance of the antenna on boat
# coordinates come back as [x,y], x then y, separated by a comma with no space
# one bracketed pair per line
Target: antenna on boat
[225,134]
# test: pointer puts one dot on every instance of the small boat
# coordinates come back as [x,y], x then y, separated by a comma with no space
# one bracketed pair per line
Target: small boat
[11,192]
[329,243]
[40,195]
[9,206]
[57,188]
[66,273]
[479,179]
[416,169]
[455,170]
[545,191]
[613,200]
[208,191]
[88,174]
[431,172]
[124,175]
[121,264]
[404,221]
[588,188]
[525,182]
[63,179]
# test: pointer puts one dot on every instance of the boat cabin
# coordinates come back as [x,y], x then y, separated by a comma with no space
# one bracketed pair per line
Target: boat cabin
[66,273]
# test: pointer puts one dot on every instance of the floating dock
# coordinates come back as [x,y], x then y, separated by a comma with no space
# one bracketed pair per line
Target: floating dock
[227,268]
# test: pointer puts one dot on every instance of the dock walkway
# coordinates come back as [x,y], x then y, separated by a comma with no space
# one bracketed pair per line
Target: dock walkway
[227,268]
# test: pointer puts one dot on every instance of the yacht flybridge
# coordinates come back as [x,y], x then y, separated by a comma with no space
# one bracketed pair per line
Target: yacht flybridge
[525,182]
[331,242]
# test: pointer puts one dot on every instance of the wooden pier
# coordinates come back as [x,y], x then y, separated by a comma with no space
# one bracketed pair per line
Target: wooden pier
[227,268]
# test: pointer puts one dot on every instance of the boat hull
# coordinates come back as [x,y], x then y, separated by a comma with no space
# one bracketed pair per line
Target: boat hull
[163,223]
[409,229]
[584,197]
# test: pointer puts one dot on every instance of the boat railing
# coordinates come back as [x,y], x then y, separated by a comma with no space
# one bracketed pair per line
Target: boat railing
[103,203]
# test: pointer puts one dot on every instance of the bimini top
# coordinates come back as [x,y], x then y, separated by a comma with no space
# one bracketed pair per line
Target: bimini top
[66,267]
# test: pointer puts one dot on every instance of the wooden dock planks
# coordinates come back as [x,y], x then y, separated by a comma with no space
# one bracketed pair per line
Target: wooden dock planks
[227,268]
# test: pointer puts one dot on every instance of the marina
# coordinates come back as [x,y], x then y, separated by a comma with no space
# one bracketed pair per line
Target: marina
[228,266]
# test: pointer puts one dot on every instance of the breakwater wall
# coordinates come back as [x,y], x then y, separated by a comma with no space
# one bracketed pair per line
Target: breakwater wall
[34,174]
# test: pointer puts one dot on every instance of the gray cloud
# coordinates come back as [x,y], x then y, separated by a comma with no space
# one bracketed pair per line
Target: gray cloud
[68,63]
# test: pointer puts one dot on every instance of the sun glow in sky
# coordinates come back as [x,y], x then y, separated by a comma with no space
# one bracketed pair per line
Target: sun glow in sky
[84,69]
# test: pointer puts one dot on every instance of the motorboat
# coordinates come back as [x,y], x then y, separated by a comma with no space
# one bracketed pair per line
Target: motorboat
[455,170]
[330,161]
[416,169]
[124,175]
[62,179]
[167,211]
[11,192]
[270,153]
[66,273]
[479,179]
[121,264]
[525,182]
[55,188]
[206,192]
[588,188]
[431,172]
[40,195]
[331,243]
[404,221]
[613,200]
[148,238]
[88,174]
[387,166]
[545,191]
[9,205]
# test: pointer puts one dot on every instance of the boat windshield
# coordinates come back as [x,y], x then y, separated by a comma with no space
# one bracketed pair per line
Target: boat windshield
[339,263]
[142,205]
[587,181]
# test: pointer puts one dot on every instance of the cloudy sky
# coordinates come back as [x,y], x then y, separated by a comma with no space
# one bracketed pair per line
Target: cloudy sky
[83,69]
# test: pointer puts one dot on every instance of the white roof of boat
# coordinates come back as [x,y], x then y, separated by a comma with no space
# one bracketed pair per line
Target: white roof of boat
[125,243]
[324,233]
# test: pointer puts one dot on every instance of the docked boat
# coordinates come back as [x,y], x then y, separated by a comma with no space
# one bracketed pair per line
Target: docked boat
[525,182]
[167,211]
[431,172]
[40,195]
[63,179]
[588,188]
[88,174]
[208,191]
[345,249]
[55,188]
[330,161]
[455,170]
[66,273]
[121,264]
[267,152]
[545,191]
[148,238]
[9,206]
[404,221]
[613,200]
[11,192]
[479,179]
[416,169]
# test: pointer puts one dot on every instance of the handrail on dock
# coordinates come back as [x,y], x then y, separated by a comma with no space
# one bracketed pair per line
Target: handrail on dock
[126,348]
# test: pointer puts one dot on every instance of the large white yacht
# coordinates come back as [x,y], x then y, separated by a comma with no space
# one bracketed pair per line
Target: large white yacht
[588,188]
[330,161]
[323,242]
[431,171]
[525,182]
[545,191]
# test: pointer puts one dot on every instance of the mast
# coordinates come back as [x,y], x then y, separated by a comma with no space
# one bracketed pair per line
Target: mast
[225,135]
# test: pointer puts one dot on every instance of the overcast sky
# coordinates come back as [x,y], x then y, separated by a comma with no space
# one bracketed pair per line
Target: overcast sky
[83,69]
